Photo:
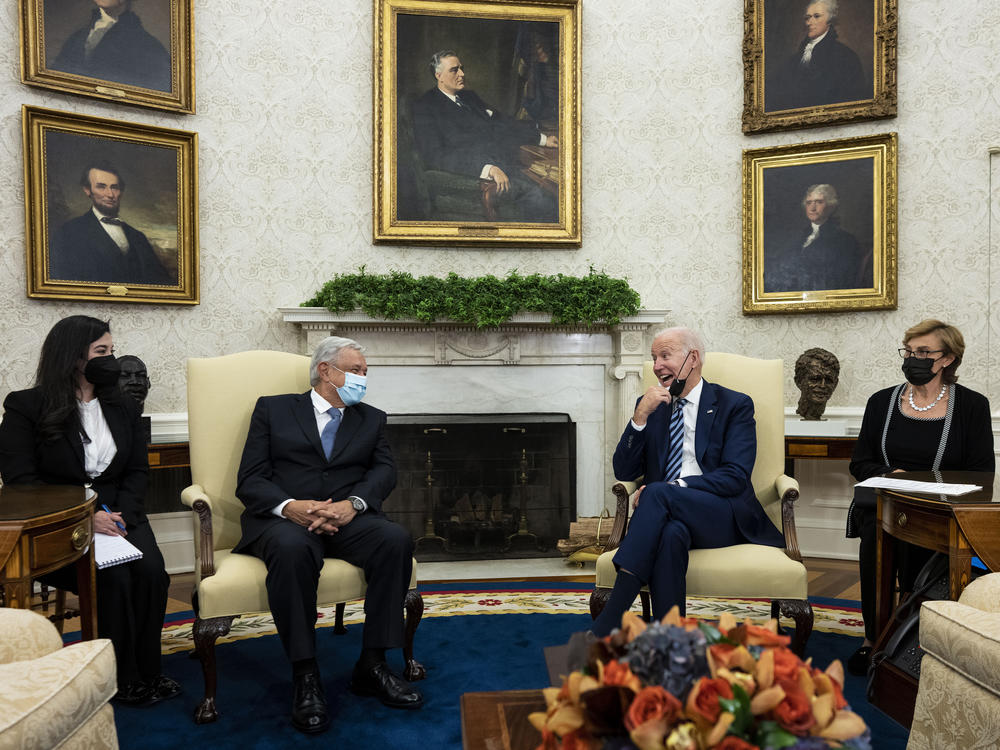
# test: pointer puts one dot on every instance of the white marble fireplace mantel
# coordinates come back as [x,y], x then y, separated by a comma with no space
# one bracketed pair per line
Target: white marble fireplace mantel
[528,364]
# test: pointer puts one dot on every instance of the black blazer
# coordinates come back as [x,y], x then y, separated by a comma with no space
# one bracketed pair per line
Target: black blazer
[82,251]
[24,459]
[467,138]
[283,459]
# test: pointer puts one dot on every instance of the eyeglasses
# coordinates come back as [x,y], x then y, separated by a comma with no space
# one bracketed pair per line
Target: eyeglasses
[919,353]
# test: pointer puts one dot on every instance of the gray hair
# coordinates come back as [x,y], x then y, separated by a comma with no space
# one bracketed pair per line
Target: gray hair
[829,193]
[437,57]
[691,340]
[832,7]
[329,351]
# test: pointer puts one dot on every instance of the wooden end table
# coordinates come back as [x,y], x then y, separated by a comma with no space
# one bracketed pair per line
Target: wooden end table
[44,527]
[499,720]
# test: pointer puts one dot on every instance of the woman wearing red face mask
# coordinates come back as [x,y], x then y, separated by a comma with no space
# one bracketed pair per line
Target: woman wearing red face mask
[76,427]
[927,423]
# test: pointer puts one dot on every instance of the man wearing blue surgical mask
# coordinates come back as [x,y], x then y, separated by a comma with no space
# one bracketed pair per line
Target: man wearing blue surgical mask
[315,470]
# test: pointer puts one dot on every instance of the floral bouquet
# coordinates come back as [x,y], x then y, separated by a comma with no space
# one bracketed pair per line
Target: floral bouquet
[685,685]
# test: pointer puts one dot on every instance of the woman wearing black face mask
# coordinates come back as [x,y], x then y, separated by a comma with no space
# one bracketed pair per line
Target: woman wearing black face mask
[75,427]
[927,423]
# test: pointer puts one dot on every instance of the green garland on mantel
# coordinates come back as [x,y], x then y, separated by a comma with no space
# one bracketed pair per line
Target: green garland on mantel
[483,300]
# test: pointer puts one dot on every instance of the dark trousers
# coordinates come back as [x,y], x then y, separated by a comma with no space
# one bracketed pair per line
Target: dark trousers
[294,559]
[909,560]
[669,522]
[526,201]
[131,603]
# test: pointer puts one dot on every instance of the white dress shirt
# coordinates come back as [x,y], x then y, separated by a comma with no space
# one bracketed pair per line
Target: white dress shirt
[807,51]
[115,232]
[689,460]
[99,447]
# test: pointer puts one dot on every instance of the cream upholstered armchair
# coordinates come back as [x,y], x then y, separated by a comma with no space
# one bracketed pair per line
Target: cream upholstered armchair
[51,696]
[743,570]
[958,696]
[221,393]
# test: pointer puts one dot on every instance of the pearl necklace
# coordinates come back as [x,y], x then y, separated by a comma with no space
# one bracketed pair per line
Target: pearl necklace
[932,404]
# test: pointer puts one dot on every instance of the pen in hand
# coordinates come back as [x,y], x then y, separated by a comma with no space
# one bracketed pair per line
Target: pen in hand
[107,510]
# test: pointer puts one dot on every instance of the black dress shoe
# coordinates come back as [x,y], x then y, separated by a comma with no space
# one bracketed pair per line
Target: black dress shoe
[309,705]
[859,661]
[378,680]
[162,688]
[136,693]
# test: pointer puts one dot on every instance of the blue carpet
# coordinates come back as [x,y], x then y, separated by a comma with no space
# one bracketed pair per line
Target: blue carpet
[469,653]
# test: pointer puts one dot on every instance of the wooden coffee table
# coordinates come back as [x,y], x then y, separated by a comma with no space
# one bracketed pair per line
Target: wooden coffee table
[499,720]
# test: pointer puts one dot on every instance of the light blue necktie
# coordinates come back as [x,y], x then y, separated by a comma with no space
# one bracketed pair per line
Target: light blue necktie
[676,457]
[329,433]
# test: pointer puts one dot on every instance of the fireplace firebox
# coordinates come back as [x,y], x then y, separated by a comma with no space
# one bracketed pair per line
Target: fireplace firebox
[483,486]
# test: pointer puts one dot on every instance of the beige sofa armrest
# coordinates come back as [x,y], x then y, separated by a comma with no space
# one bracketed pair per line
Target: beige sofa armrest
[983,593]
[26,635]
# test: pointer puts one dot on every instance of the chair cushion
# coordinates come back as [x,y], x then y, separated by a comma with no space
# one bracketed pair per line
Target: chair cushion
[951,711]
[238,588]
[743,570]
[46,700]
[964,638]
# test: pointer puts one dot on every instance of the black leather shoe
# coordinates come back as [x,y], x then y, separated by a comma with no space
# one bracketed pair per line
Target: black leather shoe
[309,705]
[162,688]
[378,680]
[136,693]
[858,663]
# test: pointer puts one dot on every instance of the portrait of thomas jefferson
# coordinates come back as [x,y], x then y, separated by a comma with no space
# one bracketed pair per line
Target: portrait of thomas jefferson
[821,69]
[110,40]
[816,253]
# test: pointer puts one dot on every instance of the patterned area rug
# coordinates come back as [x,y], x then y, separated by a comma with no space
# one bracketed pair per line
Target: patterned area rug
[831,615]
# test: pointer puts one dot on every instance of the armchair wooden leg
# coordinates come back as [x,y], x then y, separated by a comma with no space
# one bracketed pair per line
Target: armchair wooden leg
[647,612]
[801,611]
[598,601]
[414,609]
[205,634]
[338,620]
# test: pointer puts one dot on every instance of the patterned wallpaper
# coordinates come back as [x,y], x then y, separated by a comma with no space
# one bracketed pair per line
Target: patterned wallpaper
[284,102]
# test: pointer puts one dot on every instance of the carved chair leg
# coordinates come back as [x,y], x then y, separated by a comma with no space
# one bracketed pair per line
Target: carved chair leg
[338,620]
[413,606]
[801,612]
[205,634]
[598,601]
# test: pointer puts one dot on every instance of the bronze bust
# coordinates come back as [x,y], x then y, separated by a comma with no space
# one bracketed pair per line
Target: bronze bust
[817,373]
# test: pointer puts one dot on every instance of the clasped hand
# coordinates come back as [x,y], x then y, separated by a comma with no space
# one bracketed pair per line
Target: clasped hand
[320,516]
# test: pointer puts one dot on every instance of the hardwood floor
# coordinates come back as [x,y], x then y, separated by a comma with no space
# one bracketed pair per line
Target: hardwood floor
[835,579]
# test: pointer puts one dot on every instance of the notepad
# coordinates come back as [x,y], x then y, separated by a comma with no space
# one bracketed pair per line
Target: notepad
[114,550]
[911,485]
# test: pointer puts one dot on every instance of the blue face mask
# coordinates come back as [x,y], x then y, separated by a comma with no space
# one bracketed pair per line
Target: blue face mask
[353,389]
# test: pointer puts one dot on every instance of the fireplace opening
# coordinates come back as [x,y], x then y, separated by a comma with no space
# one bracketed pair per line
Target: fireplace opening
[483,486]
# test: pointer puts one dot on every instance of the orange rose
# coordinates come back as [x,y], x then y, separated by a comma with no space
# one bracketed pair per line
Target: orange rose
[652,703]
[786,665]
[794,713]
[704,698]
[760,636]
[617,673]
[732,742]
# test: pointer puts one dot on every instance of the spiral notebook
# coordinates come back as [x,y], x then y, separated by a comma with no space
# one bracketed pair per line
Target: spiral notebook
[114,550]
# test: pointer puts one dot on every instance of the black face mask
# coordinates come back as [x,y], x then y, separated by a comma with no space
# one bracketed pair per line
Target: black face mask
[918,371]
[102,371]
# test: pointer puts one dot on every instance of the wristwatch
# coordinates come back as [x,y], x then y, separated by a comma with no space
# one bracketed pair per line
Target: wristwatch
[357,503]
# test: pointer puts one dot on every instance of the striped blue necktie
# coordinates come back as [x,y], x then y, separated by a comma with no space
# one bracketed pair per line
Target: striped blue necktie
[676,456]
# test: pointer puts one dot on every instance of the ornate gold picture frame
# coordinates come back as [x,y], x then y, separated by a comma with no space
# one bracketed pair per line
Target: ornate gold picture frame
[819,226]
[817,62]
[477,122]
[142,56]
[90,238]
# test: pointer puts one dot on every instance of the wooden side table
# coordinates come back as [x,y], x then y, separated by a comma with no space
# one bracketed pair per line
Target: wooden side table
[44,527]
[832,448]
[499,720]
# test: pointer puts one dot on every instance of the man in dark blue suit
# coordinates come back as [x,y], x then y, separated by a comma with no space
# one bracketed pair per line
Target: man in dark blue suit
[696,452]
[314,473]
[456,131]
[99,246]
